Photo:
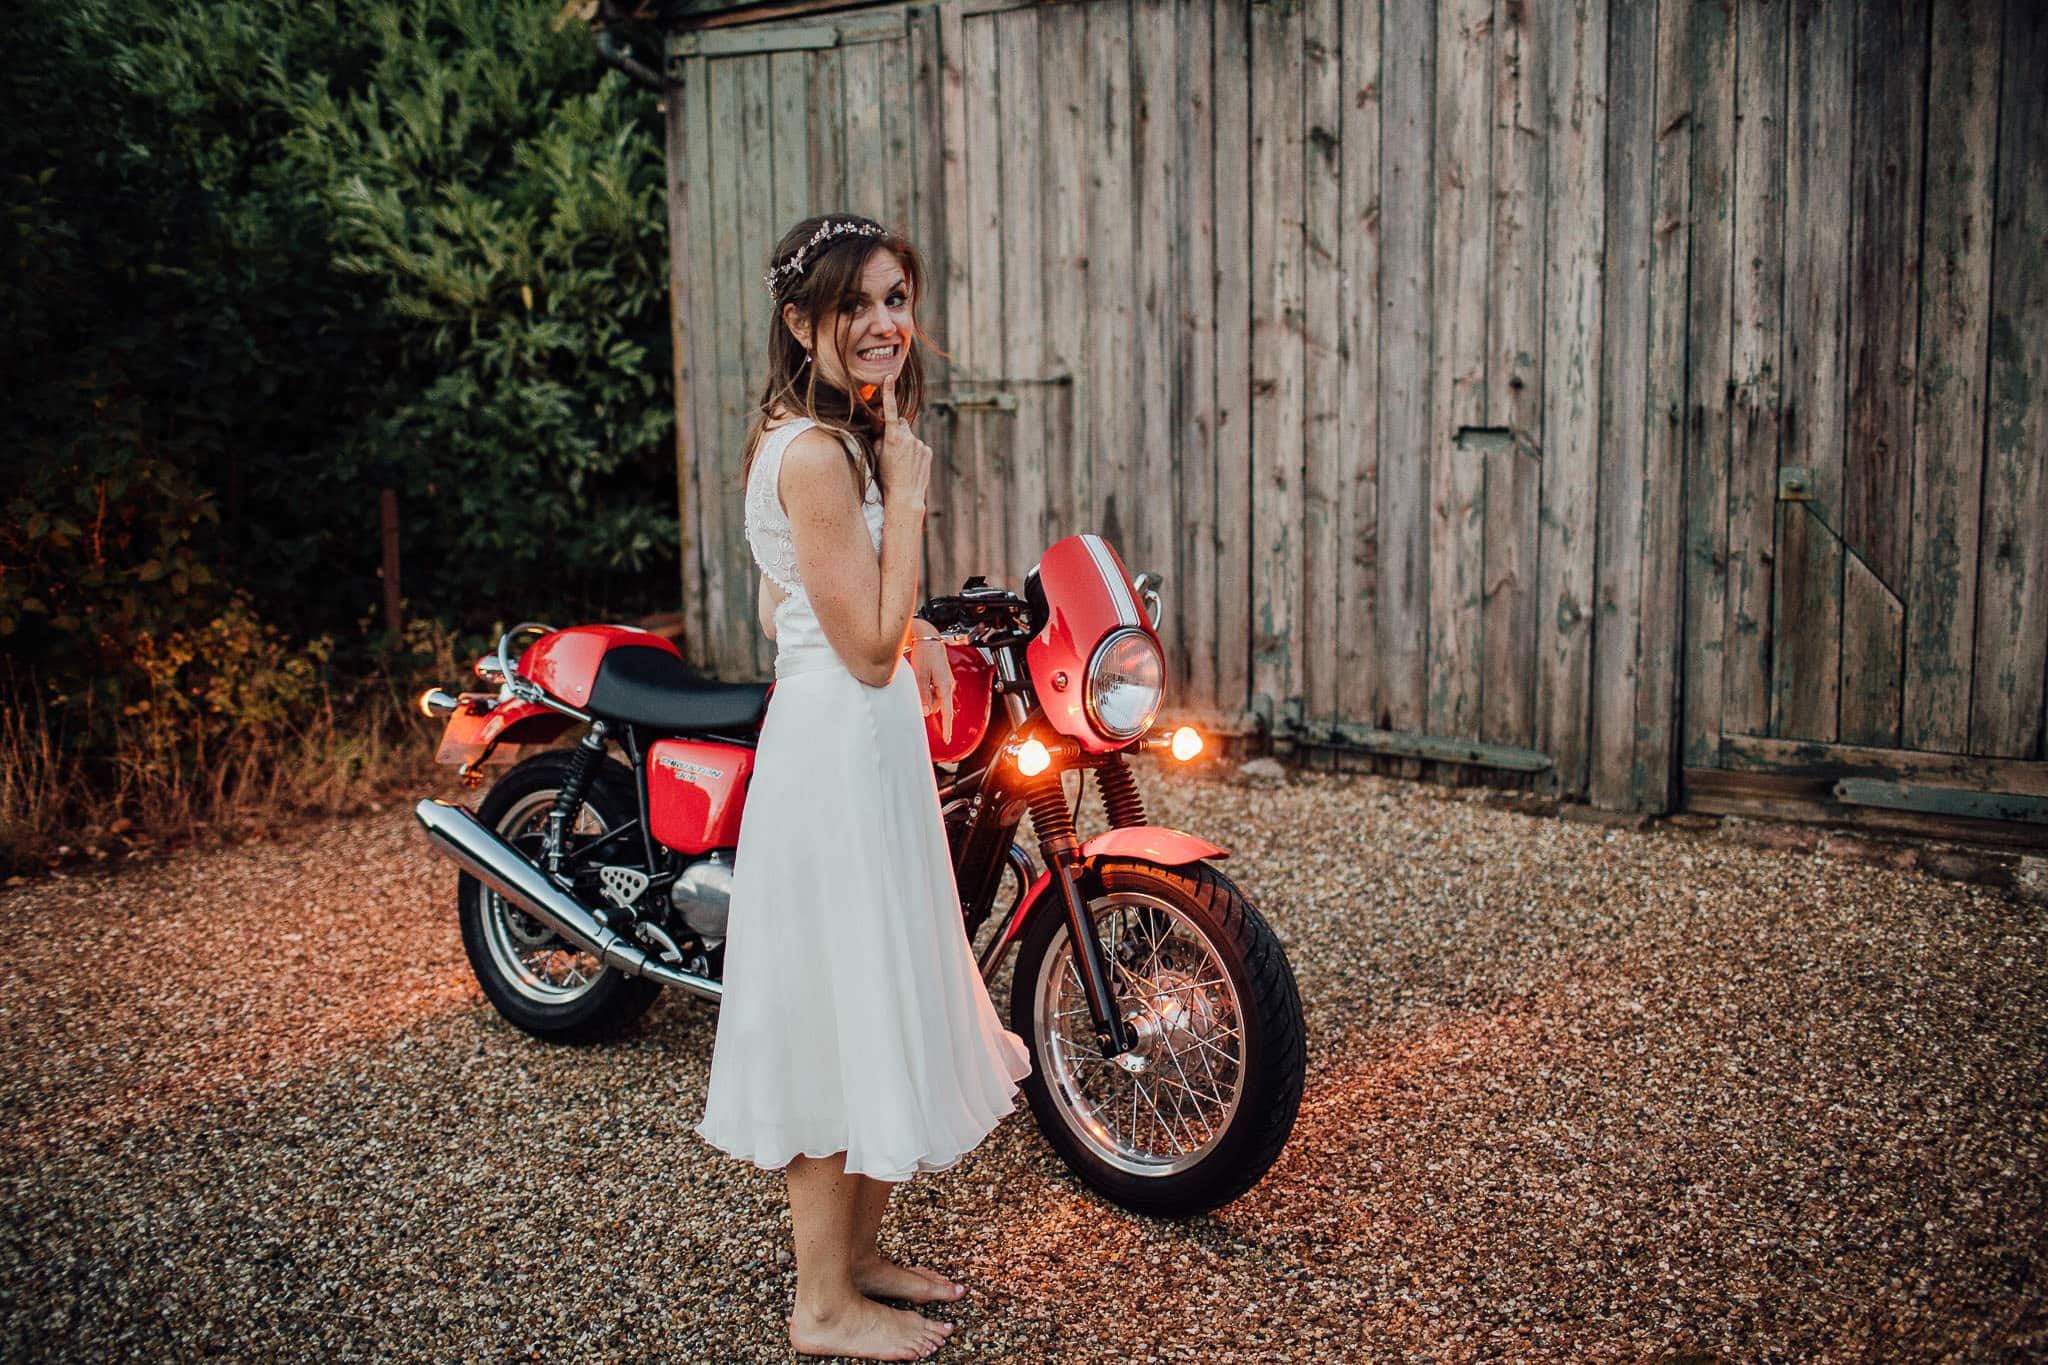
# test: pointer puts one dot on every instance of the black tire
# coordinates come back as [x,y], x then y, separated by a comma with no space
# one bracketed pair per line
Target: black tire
[1233,1155]
[493,929]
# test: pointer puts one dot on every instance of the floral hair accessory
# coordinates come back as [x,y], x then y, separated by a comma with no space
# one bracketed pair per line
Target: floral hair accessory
[794,266]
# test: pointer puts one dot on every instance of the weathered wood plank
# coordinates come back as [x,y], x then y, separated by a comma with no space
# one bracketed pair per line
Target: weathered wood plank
[827,117]
[1235,450]
[903,103]
[1155,157]
[1886,144]
[684,122]
[1653,776]
[1064,215]
[1754,754]
[1625,344]
[1873,641]
[1756,321]
[1276,351]
[1806,630]
[979,537]
[1106,84]
[1706,408]
[1464,177]
[861,80]
[1323,615]
[1358,381]
[758,233]
[1775,796]
[1948,428]
[950,524]
[1513,477]
[1192,593]
[1408,197]
[1577,127]
[1024,299]
[731,650]
[2007,694]
[789,189]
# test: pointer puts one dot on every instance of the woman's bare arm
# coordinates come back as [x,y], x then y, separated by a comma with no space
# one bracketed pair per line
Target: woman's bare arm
[766,600]
[862,602]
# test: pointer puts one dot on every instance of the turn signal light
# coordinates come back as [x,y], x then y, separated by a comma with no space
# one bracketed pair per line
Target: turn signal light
[1187,742]
[434,703]
[1033,758]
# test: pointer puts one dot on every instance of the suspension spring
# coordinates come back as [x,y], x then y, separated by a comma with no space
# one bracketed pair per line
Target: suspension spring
[569,796]
[1046,798]
[1121,804]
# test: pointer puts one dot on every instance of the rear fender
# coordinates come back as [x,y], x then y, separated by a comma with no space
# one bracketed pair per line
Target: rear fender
[499,732]
[1144,843]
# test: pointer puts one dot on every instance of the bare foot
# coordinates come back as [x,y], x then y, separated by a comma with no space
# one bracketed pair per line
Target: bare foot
[866,1330]
[882,1279]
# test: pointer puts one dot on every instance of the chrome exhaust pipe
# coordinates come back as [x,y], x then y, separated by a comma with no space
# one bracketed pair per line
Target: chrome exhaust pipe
[476,847]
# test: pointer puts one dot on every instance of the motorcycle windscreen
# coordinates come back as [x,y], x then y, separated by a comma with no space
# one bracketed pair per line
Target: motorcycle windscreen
[695,791]
[1087,597]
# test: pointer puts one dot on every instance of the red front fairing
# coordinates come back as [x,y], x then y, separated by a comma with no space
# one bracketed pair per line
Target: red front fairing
[1087,596]
[565,661]
[695,791]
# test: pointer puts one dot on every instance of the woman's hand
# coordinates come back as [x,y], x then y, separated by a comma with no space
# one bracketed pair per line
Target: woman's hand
[934,674]
[906,461]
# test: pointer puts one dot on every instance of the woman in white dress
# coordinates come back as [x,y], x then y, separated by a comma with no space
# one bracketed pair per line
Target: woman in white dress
[856,1044]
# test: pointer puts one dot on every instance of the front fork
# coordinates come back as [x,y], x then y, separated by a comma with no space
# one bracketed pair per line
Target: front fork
[1060,846]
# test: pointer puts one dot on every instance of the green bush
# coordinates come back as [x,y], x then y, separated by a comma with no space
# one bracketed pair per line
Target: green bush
[261,259]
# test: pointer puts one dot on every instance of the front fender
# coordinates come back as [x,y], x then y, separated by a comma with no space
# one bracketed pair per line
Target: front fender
[1152,844]
[1146,843]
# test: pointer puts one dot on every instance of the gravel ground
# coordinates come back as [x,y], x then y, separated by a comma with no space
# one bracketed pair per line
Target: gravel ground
[1574,1093]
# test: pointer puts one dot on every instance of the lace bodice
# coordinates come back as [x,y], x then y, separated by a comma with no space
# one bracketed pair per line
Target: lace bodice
[796,626]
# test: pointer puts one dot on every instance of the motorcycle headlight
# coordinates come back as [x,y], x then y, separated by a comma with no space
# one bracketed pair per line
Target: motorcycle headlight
[1126,681]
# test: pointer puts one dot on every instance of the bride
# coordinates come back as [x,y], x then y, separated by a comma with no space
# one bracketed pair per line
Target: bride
[857,1046]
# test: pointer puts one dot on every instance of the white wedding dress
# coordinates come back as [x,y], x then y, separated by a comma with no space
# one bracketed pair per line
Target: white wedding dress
[854,1019]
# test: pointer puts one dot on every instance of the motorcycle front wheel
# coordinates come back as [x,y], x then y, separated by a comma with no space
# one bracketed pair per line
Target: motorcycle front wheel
[1199,1110]
[551,989]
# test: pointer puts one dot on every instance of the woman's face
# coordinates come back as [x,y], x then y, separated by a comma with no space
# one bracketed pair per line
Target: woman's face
[866,338]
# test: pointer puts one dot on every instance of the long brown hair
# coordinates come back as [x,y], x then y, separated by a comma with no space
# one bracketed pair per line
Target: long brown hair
[830,274]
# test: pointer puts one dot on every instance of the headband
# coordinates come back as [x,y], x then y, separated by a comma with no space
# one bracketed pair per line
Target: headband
[794,266]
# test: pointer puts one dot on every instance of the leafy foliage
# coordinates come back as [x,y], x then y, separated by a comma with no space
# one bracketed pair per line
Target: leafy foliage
[307,251]
[263,258]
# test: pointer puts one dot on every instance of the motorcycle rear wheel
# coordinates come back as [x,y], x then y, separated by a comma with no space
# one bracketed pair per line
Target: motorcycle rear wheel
[1200,1111]
[542,985]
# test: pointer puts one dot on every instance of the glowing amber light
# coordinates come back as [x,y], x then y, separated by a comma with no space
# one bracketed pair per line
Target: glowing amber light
[1033,758]
[1187,742]
[427,702]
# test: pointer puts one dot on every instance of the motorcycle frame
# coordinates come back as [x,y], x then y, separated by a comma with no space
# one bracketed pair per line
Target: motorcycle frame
[986,850]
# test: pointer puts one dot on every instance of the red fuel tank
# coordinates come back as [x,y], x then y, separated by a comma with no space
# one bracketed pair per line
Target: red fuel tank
[973,694]
[565,661]
[695,791]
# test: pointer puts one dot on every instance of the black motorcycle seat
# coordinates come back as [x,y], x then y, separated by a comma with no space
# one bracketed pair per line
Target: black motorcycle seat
[646,686]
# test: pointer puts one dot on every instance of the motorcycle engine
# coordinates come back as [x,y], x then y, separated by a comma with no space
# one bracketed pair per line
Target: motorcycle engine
[702,895]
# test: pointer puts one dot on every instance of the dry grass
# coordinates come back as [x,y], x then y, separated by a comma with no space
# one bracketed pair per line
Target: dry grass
[167,784]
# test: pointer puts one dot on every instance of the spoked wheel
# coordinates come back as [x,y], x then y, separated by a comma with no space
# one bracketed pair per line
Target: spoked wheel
[1198,1111]
[546,986]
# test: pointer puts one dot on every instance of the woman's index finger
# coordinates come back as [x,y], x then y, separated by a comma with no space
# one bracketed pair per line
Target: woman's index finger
[889,402]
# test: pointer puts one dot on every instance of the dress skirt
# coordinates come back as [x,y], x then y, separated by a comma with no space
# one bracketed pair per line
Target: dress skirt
[854,1019]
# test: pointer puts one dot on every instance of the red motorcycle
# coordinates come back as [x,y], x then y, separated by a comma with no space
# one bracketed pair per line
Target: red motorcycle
[1166,1034]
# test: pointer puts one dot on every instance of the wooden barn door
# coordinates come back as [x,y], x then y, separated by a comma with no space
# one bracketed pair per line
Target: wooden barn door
[766,126]
[1867,565]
